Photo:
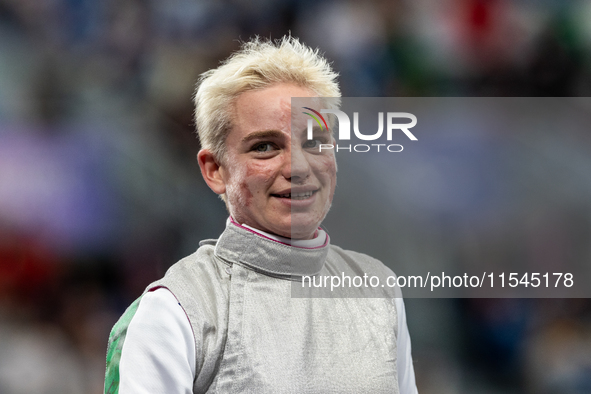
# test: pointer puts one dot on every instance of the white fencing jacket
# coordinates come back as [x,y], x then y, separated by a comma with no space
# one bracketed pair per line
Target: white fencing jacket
[231,318]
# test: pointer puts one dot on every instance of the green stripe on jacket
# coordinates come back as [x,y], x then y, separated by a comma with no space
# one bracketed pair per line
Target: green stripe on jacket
[116,339]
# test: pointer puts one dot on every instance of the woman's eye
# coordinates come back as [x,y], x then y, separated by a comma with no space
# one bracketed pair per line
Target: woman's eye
[265,147]
[311,144]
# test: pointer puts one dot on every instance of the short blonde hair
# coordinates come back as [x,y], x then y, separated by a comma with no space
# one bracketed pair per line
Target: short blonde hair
[257,64]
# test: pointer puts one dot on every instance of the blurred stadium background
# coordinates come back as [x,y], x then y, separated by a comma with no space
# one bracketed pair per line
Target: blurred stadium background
[100,191]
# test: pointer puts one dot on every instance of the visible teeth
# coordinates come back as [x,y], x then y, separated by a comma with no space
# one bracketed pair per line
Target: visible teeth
[301,196]
[297,196]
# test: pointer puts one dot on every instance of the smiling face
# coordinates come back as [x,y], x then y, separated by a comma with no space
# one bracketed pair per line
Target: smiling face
[275,179]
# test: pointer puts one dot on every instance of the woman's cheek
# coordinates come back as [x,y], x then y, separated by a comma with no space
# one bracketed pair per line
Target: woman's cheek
[262,174]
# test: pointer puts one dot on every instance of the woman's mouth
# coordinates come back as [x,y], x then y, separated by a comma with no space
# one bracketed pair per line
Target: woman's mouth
[297,196]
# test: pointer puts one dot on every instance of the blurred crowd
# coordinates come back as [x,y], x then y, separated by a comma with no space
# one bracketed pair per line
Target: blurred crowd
[100,191]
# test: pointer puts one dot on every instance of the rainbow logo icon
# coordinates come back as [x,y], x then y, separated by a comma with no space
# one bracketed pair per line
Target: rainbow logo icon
[315,118]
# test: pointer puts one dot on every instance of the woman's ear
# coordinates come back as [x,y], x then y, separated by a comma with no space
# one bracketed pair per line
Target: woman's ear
[210,169]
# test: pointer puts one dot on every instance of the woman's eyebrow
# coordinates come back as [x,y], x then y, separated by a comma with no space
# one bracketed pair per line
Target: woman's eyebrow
[262,134]
[317,132]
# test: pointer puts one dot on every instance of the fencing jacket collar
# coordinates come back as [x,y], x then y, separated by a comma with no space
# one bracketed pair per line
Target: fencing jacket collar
[240,245]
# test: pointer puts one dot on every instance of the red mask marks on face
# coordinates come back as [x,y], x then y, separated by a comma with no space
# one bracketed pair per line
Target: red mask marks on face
[246,194]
